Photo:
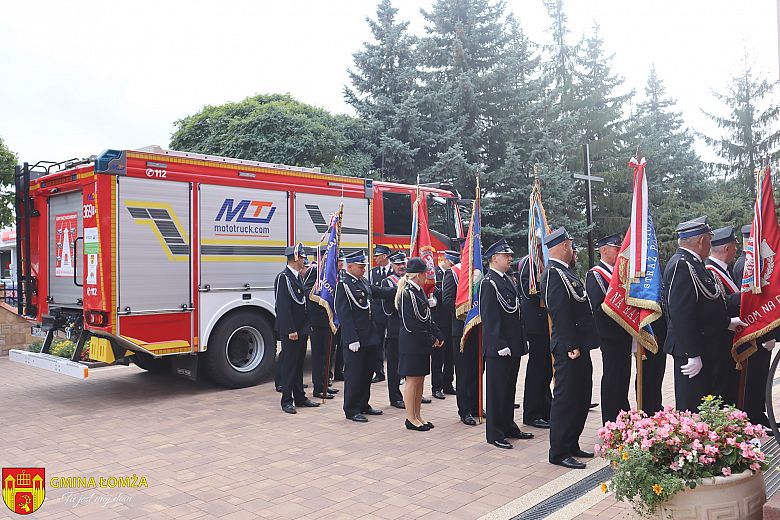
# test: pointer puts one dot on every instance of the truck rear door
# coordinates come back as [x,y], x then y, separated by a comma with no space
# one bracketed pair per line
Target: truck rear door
[65,246]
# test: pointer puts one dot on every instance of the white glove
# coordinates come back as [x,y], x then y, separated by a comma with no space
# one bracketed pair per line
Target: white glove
[505,352]
[769,345]
[432,302]
[693,367]
[736,322]
[354,347]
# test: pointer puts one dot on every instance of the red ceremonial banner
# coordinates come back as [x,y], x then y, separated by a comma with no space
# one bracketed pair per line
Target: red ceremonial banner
[760,298]
[421,242]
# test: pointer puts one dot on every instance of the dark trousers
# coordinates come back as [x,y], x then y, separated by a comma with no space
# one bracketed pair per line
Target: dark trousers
[442,365]
[500,388]
[688,391]
[393,379]
[379,359]
[570,404]
[616,378]
[755,386]
[537,396]
[653,369]
[291,370]
[725,377]
[466,369]
[337,359]
[321,344]
[358,371]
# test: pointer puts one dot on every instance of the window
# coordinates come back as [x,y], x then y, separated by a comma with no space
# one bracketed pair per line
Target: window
[397,213]
[439,219]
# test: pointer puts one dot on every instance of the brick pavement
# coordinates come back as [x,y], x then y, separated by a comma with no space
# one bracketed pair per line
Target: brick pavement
[209,452]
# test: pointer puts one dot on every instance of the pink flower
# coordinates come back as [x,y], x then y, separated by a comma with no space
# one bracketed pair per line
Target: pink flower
[713,436]
[731,441]
[647,444]
[711,449]
[755,466]
[726,471]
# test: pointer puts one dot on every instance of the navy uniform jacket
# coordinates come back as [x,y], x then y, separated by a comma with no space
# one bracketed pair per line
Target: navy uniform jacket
[353,307]
[375,278]
[739,269]
[567,305]
[385,294]
[318,316]
[290,304]
[417,332]
[697,316]
[441,315]
[534,315]
[596,287]
[732,297]
[449,292]
[499,308]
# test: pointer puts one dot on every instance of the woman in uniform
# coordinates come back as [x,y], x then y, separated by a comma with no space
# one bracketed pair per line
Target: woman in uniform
[417,334]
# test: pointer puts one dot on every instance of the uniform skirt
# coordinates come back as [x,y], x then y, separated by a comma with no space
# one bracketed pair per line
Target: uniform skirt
[414,364]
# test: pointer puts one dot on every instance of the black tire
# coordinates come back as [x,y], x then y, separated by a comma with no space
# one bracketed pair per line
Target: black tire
[152,364]
[249,357]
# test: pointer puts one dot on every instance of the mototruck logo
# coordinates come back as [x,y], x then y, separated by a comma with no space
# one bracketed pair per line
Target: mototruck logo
[165,225]
[24,489]
[238,212]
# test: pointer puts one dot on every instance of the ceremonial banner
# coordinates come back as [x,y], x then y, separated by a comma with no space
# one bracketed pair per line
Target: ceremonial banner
[537,231]
[421,242]
[324,290]
[633,299]
[760,298]
[467,299]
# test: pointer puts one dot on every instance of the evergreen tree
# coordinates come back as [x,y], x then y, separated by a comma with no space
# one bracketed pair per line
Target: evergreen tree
[676,176]
[383,93]
[7,162]
[749,130]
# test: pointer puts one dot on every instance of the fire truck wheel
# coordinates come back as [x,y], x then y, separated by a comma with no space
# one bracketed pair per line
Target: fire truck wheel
[241,350]
[151,364]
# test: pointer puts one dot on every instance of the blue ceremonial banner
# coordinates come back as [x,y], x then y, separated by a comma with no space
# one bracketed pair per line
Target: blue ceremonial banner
[324,290]
[537,231]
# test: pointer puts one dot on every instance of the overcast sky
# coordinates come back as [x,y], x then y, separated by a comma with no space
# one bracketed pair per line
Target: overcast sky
[77,77]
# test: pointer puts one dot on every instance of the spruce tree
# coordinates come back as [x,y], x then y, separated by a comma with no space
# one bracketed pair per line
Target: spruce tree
[383,92]
[749,131]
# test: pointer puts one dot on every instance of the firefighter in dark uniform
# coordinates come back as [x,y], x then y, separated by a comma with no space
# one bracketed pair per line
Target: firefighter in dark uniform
[537,397]
[358,336]
[388,292]
[725,376]
[573,334]
[338,356]
[292,328]
[466,362]
[697,318]
[758,362]
[503,343]
[375,276]
[442,369]
[418,334]
[615,341]
[321,338]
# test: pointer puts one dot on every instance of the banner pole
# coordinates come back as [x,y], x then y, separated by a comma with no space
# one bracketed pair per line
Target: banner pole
[640,388]
[742,384]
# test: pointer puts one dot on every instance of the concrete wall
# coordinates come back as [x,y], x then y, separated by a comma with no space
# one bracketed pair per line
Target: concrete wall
[14,331]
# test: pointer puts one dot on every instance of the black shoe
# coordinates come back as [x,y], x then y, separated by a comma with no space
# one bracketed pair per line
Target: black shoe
[539,423]
[421,428]
[378,378]
[593,405]
[398,404]
[570,462]
[438,394]
[468,420]
[450,390]
[332,390]
[425,400]
[320,396]
[358,417]
[288,408]
[373,411]
[279,388]
[305,386]
[501,444]
[582,454]
[520,435]
[517,406]
[308,403]
[429,424]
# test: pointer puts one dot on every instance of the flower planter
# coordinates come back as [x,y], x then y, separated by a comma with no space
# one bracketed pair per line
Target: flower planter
[740,496]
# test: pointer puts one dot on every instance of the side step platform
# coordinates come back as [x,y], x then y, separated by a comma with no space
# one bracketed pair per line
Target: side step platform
[49,362]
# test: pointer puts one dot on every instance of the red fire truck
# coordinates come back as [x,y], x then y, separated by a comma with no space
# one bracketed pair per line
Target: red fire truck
[168,258]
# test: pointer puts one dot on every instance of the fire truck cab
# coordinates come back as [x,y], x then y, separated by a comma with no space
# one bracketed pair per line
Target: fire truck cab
[168,258]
